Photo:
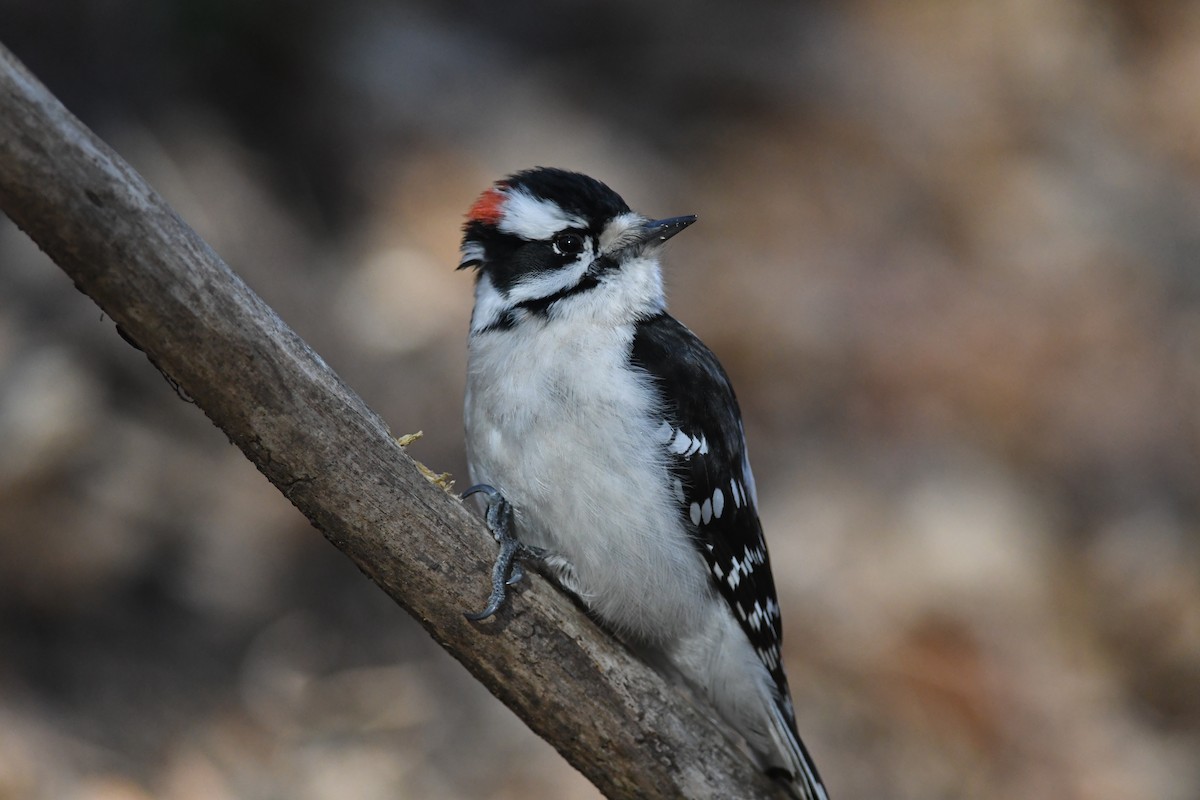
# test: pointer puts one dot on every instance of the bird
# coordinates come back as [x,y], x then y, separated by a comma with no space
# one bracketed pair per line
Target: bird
[608,444]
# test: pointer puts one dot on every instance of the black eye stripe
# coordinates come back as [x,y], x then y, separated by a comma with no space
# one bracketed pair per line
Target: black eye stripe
[540,305]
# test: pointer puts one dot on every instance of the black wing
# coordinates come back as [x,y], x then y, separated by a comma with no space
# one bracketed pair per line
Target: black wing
[702,432]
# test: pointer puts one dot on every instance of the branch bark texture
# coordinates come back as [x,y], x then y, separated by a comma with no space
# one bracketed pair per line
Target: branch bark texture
[612,717]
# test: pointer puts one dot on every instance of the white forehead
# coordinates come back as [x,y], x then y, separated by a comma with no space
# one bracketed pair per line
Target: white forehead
[624,226]
[534,218]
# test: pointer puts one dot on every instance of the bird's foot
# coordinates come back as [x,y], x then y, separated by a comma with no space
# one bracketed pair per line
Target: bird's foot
[506,571]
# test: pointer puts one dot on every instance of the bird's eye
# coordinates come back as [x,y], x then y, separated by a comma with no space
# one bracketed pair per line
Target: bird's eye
[568,244]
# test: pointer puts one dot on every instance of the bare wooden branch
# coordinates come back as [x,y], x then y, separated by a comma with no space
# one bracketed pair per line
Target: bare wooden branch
[614,719]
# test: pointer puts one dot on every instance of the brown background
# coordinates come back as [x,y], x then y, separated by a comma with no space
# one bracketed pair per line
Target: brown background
[949,252]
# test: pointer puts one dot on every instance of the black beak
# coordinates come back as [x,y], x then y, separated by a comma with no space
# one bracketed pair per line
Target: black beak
[647,236]
[657,231]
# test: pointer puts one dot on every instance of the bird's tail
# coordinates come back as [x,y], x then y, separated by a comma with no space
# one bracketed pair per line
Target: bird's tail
[803,778]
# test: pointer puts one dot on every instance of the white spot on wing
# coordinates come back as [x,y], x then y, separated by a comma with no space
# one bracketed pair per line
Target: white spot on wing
[695,513]
[718,503]
[756,618]
[747,475]
[706,511]
[735,575]
[681,444]
[679,491]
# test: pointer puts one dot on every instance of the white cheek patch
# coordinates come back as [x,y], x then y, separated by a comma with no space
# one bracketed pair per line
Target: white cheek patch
[533,218]
[543,284]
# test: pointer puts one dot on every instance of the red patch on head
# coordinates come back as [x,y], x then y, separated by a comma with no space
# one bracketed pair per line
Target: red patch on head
[488,208]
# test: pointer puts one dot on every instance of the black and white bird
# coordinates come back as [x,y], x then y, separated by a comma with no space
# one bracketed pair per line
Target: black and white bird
[609,442]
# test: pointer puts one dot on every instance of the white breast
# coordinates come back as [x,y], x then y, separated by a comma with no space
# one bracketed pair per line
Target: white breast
[560,425]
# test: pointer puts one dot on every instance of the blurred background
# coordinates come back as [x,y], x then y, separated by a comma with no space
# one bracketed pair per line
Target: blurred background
[949,253]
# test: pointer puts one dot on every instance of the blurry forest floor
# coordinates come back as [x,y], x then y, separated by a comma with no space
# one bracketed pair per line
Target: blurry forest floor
[949,253]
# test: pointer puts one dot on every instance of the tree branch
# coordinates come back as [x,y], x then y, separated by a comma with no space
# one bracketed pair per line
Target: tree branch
[612,717]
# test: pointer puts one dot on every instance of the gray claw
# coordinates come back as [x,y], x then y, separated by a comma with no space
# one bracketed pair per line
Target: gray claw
[505,572]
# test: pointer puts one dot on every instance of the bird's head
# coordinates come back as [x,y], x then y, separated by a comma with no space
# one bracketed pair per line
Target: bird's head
[550,243]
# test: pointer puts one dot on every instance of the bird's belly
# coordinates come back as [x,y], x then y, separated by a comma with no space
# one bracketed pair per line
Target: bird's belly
[585,485]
